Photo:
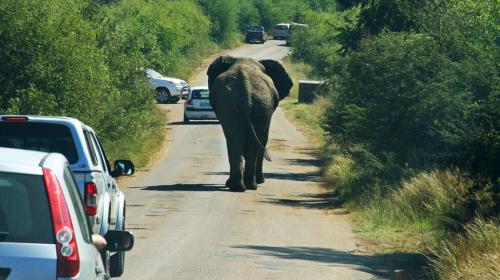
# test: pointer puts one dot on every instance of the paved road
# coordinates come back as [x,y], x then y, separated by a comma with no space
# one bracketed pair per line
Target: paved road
[189,226]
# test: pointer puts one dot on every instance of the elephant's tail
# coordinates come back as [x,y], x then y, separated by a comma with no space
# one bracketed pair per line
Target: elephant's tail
[254,135]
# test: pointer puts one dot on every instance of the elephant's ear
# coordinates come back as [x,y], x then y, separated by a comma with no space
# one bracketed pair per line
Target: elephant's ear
[280,77]
[219,66]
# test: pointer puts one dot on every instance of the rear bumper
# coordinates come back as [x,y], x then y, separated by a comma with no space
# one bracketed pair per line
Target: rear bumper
[200,115]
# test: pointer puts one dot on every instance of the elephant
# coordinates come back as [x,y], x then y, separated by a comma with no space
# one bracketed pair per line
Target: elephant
[244,93]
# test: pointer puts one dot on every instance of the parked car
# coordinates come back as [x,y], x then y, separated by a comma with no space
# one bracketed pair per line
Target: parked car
[255,33]
[104,201]
[197,106]
[281,31]
[168,90]
[44,232]
[294,27]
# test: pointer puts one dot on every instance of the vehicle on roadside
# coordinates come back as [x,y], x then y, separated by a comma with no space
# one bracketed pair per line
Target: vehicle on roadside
[197,105]
[44,230]
[168,90]
[281,31]
[294,27]
[104,201]
[255,33]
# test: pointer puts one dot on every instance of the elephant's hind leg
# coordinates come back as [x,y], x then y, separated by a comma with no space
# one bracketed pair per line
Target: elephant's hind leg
[235,181]
[250,164]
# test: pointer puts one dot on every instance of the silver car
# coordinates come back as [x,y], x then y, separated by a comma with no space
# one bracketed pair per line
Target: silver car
[197,105]
[281,31]
[104,201]
[44,232]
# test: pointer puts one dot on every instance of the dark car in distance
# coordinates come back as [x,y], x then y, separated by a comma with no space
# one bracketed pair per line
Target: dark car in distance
[255,33]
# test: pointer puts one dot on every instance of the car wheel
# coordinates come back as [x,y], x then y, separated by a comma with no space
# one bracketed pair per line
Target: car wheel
[186,119]
[162,95]
[175,99]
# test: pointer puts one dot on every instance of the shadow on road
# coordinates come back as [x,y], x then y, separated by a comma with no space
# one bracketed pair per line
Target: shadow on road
[304,162]
[381,265]
[187,188]
[301,177]
[326,200]
[194,123]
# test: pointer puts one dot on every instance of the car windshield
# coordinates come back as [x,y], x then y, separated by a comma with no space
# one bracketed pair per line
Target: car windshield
[200,94]
[36,136]
[153,74]
[255,28]
[281,27]
[24,209]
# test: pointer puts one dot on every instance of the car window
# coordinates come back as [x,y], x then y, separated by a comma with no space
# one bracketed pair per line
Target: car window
[77,204]
[99,151]
[281,27]
[45,137]
[24,209]
[200,94]
[255,28]
[104,155]
[90,146]
[153,74]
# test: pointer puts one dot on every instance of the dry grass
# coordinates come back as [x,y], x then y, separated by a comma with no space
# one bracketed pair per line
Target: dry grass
[472,255]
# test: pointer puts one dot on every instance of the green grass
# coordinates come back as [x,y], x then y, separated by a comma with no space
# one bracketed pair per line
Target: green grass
[306,116]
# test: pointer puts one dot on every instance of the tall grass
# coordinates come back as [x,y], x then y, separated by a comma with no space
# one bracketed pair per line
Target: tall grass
[473,255]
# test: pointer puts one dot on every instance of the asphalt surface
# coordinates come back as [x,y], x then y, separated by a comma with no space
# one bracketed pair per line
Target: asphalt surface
[189,226]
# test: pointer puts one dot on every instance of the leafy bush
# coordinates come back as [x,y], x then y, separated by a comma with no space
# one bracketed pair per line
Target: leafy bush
[395,106]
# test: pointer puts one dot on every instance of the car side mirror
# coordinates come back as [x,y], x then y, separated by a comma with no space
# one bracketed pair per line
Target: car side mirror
[123,167]
[119,240]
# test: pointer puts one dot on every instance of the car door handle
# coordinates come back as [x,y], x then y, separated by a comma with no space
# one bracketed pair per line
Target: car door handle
[4,273]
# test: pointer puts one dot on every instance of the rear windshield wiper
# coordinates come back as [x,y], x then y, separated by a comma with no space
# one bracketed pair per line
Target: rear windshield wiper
[3,235]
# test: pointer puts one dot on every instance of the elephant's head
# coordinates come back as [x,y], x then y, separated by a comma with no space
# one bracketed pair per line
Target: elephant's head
[271,68]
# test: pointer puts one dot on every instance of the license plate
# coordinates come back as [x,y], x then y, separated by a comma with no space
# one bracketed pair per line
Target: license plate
[204,104]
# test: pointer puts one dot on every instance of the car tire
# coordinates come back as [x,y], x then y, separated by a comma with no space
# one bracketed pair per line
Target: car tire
[186,119]
[162,95]
[175,99]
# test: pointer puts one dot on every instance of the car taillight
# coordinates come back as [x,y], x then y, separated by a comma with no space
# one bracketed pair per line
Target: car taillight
[189,102]
[90,198]
[68,259]
[7,118]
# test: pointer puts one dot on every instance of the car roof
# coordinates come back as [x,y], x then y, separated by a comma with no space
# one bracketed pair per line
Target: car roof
[49,119]
[21,161]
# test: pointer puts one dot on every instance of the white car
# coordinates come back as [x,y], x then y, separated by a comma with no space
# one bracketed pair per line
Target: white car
[104,201]
[197,105]
[281,31]
[168,90]
[44,232]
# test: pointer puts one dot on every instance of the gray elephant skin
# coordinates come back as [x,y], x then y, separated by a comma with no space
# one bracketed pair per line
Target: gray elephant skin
[244,94]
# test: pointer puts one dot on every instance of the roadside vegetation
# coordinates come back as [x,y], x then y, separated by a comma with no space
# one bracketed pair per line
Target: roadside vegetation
[408,119]
[411,124]
[86,58]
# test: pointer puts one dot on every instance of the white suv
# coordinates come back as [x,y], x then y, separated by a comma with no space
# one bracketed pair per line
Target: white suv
[168,90]
[104,201]
[44,232]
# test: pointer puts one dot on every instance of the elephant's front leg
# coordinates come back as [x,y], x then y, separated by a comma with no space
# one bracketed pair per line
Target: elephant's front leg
[250,164]
[235,154]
